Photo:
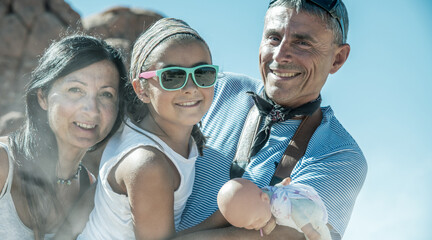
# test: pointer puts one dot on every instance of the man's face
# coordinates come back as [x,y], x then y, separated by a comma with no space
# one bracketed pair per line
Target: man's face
[297,53]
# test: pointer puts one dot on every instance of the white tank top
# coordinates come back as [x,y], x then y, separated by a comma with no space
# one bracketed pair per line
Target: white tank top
[11,226]
[111,217]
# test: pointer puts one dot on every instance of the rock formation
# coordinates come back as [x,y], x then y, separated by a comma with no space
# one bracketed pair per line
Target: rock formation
[27,27]
[120,26]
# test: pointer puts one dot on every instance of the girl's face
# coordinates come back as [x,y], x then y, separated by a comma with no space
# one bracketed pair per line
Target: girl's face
[83,105]
[186,106]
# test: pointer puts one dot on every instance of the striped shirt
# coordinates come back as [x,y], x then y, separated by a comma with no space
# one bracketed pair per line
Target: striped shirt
[333,163]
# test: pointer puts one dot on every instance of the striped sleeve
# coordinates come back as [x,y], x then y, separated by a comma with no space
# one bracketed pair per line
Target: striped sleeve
[338,178]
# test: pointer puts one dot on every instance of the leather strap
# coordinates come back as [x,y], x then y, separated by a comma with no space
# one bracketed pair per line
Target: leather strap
[295,150]
[297,146]
[242,156]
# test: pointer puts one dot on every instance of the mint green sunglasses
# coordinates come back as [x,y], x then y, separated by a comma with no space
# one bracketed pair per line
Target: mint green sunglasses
[175,78]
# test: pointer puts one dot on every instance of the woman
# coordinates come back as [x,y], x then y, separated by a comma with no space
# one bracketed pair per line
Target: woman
[72,105]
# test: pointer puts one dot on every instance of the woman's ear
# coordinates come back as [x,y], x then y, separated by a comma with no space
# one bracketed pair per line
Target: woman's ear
[42,100]
[341,56]
[140,90]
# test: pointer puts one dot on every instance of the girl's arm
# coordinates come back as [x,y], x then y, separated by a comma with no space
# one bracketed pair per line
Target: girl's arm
[216,220]
[149,179]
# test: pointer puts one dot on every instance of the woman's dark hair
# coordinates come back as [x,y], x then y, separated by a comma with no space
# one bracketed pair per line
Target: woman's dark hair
[34,145]
[163,31]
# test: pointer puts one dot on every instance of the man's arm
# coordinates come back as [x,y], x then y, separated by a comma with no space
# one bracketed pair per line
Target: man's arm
[227,233]
[216,227]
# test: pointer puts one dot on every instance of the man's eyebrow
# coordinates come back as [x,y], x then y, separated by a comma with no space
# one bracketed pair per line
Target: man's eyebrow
[271,31]
[297,36]
[307,37]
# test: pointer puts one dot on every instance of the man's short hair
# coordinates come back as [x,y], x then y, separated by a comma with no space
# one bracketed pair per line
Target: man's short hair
[310,7]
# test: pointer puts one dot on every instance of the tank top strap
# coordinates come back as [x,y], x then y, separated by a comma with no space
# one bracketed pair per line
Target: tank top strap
[8,184]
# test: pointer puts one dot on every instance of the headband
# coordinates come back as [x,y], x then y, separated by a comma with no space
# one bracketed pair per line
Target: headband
[164,28]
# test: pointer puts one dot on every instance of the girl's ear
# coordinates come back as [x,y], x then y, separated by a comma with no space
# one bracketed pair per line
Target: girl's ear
[42,100]
[140,90]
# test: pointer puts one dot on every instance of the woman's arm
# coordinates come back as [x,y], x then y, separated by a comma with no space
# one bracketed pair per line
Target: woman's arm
[149,179]
[4,164]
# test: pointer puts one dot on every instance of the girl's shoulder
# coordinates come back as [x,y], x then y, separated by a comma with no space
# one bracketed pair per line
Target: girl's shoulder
[143,165]
[4,163]
[145,159]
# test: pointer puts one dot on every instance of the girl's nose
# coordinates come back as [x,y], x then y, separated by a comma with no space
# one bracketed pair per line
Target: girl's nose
[190,85]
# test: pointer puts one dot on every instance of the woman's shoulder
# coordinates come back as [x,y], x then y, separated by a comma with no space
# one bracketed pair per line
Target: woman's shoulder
[4,163]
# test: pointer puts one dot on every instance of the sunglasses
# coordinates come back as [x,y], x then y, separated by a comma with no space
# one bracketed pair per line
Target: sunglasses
[175,78]
[329,6]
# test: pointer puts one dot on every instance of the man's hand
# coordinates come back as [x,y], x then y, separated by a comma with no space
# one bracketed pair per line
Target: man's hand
[286,181]
[268,228]
[310,232]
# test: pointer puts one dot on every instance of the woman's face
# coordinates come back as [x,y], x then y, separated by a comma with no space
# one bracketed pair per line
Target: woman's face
[83,105]
[186,106]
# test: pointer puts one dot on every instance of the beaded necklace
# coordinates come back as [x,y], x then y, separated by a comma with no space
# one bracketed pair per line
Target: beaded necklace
[68,181]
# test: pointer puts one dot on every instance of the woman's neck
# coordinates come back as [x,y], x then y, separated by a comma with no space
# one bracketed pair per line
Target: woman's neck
[68,161]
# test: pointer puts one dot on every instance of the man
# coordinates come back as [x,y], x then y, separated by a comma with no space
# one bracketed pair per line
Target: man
[303,42]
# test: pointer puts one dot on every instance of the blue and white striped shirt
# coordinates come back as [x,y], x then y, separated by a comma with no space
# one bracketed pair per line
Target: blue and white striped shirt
[333,163]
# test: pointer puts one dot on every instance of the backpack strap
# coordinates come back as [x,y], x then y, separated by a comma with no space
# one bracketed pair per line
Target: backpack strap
[295,150]
[250,129]
[297,146]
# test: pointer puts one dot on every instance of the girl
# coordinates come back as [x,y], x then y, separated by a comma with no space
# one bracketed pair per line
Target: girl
[72,104]
[147,170]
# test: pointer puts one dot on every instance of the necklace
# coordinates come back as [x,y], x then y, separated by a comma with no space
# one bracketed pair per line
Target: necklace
[68,181]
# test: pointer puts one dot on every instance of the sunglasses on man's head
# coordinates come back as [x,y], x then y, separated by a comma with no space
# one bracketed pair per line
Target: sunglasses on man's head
[330,7]
[175,78]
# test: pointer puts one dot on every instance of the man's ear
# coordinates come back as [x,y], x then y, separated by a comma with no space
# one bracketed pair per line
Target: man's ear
[42,100]
[140,90]
[340,58]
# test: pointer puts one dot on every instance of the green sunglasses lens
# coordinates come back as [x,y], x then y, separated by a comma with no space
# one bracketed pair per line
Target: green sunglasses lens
[173,79]
[205,76]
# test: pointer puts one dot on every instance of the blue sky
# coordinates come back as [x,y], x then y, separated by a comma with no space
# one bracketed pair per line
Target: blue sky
[381,95]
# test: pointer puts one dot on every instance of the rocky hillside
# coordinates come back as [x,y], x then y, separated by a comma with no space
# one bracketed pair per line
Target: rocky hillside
[27,27]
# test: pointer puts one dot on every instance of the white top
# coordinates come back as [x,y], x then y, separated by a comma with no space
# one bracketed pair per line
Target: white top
[111,218]
[11,226]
